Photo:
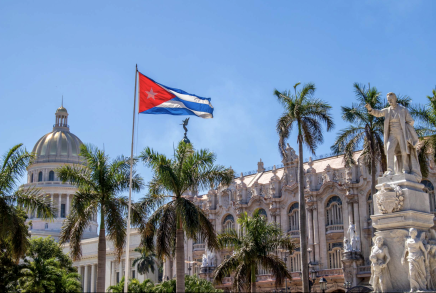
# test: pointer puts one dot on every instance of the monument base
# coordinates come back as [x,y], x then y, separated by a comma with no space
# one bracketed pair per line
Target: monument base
[399,204]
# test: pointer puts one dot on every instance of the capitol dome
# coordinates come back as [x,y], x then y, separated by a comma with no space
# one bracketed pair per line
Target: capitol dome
[60,145]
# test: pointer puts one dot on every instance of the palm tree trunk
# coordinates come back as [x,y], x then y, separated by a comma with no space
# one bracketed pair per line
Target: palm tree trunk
[180,261]
[303,240]
[373,171]
[101,257]
[253,280]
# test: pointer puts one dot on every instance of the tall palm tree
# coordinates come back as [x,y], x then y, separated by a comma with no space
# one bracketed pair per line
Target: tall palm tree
[99,186]
[186,172]
[308,114]
[146,262]
[14,202]
[425,115]
[365,130]
[253,247]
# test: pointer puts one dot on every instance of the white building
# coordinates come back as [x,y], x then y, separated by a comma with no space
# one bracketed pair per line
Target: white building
[57,148]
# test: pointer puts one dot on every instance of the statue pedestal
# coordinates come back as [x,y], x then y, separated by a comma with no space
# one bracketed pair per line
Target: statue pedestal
[351,260]
[399,204]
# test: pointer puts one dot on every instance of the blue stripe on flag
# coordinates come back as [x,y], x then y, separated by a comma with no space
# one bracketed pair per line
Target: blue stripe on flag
[170,111]
[182,92]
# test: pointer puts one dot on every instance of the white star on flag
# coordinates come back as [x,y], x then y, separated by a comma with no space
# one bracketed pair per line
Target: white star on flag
[151,94]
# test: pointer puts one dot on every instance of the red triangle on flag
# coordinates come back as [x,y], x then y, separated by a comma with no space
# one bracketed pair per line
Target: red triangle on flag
[151,94]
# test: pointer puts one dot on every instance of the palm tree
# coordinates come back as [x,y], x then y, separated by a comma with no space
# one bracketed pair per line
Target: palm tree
[146,262]
[365,129]
[426,116]
[307,114]
[39,275]
[172,179]
[14,202]
[99,186]
[69,283]
[253,247]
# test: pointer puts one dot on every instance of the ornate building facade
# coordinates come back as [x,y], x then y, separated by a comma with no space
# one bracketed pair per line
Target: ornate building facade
[336,198]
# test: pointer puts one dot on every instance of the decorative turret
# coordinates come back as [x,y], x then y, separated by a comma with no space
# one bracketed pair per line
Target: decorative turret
[260,167]
[61,118]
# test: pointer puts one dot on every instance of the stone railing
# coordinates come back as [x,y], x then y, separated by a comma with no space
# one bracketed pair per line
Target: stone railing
[199,246]
[334,228]
[294,233]
[330,272]
[260,278]
[364,270]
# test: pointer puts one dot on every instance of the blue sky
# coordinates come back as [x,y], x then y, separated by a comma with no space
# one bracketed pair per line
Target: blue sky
[235,52]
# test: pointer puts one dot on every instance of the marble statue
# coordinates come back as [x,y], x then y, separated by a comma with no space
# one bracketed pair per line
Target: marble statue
[380,275]
[204,261]
[400,138]
[416,254]
[351,232]
[347,245]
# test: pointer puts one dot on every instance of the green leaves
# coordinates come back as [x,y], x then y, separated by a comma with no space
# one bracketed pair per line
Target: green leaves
[15,203]
[307,112]
[100,183]
[255,245]
[186,172]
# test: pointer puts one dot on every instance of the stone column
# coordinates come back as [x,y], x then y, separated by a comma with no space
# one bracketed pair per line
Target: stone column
[356,218]
[350,213]
[86,280]
[310,224]
[93,277]
[315,234]
[59,204]
[67,207]
[51,200]
[113,274]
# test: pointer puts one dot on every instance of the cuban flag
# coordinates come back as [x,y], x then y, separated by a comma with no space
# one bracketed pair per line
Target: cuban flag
[156,98]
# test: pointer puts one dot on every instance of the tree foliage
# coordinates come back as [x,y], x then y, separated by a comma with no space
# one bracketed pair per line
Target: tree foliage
[14,201]
[172,213]
[425,115]
[47,269]
[255,246]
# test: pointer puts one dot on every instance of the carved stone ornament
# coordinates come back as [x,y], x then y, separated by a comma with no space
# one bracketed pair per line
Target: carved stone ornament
[390,198]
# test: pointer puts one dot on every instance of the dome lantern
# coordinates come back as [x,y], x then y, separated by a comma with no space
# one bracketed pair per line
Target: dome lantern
[61,118]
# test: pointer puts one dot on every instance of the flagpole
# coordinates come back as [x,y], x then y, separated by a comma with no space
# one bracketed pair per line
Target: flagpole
[127,265]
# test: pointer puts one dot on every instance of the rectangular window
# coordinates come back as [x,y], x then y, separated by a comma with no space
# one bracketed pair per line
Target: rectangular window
[133,274]
[63,210]
[118,277]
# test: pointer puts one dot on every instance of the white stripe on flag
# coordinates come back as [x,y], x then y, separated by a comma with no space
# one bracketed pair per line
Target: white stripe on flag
[177,104]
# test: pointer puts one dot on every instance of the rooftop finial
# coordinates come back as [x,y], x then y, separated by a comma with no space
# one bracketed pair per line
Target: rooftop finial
[62,101]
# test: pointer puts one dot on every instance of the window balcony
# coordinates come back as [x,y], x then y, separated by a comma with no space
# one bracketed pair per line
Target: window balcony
[199,246]
[334,228]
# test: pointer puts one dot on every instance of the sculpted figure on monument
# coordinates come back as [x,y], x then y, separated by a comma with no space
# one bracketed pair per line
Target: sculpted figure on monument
[400,138]
[380,275]
[416,254]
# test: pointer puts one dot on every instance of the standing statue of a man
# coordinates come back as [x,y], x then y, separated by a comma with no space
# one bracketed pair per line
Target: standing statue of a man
[400,138]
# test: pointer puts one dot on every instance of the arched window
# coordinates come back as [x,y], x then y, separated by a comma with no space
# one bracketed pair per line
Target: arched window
[335,255]
[294,219]
[429,188]
[334,214]
[46,226]
[40,176]
[262,213]
[370,205]
[228,222]
[31,178]
[295,261]
[51,176]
